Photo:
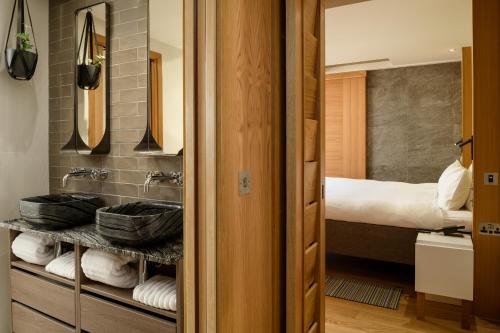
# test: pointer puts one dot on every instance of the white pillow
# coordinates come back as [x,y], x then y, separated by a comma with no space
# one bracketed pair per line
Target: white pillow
[470,200]
[453,187]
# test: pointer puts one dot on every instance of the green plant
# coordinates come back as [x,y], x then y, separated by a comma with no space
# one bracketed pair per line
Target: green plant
[24,40]
[99,59]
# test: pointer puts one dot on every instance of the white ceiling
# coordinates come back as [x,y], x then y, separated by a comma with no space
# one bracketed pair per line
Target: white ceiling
[166,21]
[407,32]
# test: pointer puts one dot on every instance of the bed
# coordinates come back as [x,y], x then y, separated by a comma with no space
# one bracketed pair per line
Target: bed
[379,219]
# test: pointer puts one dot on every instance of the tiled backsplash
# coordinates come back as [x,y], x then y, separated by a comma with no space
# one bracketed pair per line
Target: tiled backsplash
[128,106]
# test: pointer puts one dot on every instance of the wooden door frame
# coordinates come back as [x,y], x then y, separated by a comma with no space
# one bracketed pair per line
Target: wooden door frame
[206,166]
[190,319]
[200,195]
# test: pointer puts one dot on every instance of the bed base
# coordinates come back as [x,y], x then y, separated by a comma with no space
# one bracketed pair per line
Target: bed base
[363,240]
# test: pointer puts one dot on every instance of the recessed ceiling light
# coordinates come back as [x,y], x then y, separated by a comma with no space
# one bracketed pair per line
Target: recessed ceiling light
[452,50]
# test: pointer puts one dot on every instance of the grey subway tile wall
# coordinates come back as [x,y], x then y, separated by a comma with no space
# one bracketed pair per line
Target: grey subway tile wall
[128,86]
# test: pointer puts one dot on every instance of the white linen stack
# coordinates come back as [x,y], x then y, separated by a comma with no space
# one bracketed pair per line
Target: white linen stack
[33,249]
[159,292]
[108,268]
[63,265]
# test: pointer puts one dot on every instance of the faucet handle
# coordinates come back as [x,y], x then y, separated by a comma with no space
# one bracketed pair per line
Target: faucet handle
[177,178]
[99,174]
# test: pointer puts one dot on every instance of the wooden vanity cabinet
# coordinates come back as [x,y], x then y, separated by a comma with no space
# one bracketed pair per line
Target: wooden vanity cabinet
[43,302]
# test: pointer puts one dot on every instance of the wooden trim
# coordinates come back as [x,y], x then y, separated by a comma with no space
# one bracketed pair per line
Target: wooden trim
[322,162]
[467,103]
[338,3]
[189,268]
[278,164]
[294,167]
[179,315]
[79,278]
[206,172]
[346,75]
[486,70]
[156,77]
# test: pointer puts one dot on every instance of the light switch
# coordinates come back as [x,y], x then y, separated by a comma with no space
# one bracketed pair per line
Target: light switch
[244,183]
[491,178]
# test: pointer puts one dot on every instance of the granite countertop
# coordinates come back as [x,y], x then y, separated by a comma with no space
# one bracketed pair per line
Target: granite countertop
[168,252]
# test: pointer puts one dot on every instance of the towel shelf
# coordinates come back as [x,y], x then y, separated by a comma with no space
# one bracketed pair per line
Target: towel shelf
[123,296]
[50,303]
[40,270]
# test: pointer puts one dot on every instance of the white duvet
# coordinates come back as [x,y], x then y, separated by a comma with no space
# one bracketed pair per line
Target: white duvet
[384,203]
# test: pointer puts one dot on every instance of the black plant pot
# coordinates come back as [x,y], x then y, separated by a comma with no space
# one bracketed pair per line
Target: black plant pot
[88,76]
[21,65]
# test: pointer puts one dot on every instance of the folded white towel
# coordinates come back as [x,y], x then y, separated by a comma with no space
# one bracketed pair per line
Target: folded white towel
[159,292]
[112,269]
[63,266]
[33,249]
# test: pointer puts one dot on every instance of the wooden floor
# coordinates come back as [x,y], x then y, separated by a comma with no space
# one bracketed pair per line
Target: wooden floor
[350,317]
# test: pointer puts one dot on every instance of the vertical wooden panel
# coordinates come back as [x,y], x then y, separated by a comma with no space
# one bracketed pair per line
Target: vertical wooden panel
[190,229]
[249,112]
[206,180]
[467,101]
[305,166]
[345,123]
[486,22]
[294,168]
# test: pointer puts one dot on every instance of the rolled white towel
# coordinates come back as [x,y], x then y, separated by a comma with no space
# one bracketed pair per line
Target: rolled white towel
[33,249]
[108,268]
[159,292]
[63,265]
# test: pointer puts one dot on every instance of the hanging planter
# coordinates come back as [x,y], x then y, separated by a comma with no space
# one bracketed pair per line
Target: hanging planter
[21,60]
[89,63]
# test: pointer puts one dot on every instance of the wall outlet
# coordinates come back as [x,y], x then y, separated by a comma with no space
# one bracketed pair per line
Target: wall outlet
[490,229]
[491,178]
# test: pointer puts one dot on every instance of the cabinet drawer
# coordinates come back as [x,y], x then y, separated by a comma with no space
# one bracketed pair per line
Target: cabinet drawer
[47,297]
[103,316]
[25,320]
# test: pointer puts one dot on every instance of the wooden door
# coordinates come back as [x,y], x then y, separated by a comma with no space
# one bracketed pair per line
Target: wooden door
[345,125]
[305,166]
[486,72]
[240,147]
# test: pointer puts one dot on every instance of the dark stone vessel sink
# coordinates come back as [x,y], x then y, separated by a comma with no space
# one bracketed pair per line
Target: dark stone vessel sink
[139,223]
[59,211]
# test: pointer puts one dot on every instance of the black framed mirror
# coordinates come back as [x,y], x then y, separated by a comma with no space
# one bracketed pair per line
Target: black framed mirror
[164,134]
[91,119]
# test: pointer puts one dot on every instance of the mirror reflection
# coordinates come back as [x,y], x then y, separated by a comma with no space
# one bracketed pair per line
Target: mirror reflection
[166,77]
[91,77]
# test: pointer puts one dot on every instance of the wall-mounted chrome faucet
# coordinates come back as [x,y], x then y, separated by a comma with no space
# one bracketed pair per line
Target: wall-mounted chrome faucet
[91,173]
[155,177]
